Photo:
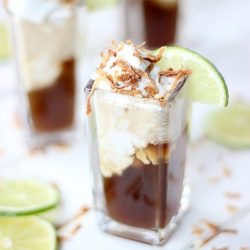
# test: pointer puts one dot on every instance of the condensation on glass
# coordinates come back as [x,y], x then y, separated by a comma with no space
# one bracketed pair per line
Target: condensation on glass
[137,156]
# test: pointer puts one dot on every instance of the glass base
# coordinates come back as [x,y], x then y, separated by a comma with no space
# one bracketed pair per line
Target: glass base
[39,139]
[149,236]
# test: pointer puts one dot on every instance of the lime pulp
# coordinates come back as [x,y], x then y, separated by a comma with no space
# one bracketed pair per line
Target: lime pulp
[29,232]
[24,197]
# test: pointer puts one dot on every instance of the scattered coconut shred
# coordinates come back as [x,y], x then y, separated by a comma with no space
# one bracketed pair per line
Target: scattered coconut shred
[131,70]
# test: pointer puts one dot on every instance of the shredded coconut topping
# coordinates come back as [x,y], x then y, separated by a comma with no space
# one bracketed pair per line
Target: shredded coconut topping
[131,70]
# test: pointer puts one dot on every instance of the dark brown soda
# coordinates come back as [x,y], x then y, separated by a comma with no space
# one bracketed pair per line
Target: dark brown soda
[147,195]
[160,23]
[52,108]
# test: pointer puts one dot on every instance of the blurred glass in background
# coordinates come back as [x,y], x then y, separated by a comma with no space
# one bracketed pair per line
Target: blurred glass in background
[152,21]
[45,40]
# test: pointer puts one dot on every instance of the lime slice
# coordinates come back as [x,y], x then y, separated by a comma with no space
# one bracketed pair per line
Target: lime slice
[205,84]
[26,233]
[23,197]
[230,127]
[100,4]
[4,42]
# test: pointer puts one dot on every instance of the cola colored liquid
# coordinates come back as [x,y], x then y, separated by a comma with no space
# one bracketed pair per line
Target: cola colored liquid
[160,23]
[52,108]
[146,195]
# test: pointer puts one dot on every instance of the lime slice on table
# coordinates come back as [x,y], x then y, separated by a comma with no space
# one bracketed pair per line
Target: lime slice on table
[100,4]
[26,233]
[24,197]
[4,41]
[205,84]
[230,127]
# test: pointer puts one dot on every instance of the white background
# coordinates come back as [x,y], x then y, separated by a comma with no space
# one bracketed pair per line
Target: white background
[220,30]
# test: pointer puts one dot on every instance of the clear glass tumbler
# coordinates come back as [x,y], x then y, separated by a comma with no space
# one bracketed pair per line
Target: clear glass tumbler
[152,21]
[137,155]
[45,35]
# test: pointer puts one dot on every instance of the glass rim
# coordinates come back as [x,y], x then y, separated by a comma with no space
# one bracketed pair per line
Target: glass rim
[136,101]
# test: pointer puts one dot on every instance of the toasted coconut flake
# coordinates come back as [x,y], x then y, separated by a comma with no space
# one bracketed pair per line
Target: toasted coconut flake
[137,71]
[150,68]
[82,211]
[171,72]
[128,92]
[232,195]
[216,230]
[215,234]
[175,85]
[75,230]
[129,42]
[154,59]
[68,1]
[104,62]
[231,208]
[212,226]
[196,230]
[126,79]
[158,96]
[111,81]
[163,102]
[226,171]
[151,90]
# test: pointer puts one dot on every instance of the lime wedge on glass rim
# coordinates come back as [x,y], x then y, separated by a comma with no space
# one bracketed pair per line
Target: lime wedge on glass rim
[28,232]
[25,197]
[230,127]
[205,84]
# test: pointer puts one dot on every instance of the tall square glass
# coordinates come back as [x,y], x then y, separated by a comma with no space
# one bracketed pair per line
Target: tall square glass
[45,41]
[137,155]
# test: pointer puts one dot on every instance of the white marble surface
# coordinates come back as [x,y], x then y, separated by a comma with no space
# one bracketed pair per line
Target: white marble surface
[219,177]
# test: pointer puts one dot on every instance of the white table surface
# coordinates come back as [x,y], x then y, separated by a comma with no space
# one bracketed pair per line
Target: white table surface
[219,30]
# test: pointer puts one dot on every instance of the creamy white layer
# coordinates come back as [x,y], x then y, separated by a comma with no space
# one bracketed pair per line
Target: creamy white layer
[45,38]
[42,48]
[126,124]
